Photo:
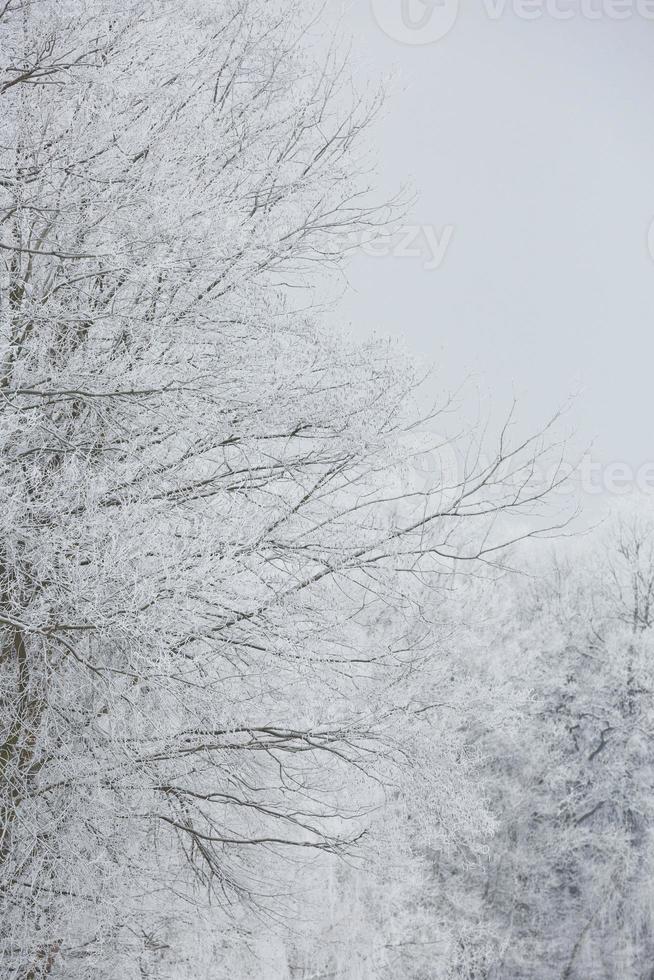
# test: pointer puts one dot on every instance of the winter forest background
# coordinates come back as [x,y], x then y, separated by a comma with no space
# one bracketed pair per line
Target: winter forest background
[301,675]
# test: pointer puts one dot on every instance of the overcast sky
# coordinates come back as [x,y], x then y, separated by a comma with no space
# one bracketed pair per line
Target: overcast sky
[534,142]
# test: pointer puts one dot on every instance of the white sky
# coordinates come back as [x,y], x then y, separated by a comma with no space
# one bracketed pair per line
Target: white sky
[535,140]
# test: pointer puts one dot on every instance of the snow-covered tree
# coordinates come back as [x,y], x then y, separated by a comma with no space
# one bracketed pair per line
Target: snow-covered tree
[212,570]
[566,892]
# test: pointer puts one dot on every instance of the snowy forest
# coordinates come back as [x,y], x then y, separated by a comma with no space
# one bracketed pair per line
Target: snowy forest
[278,700]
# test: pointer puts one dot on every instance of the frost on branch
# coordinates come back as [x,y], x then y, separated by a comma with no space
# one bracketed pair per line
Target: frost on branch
[213,617]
